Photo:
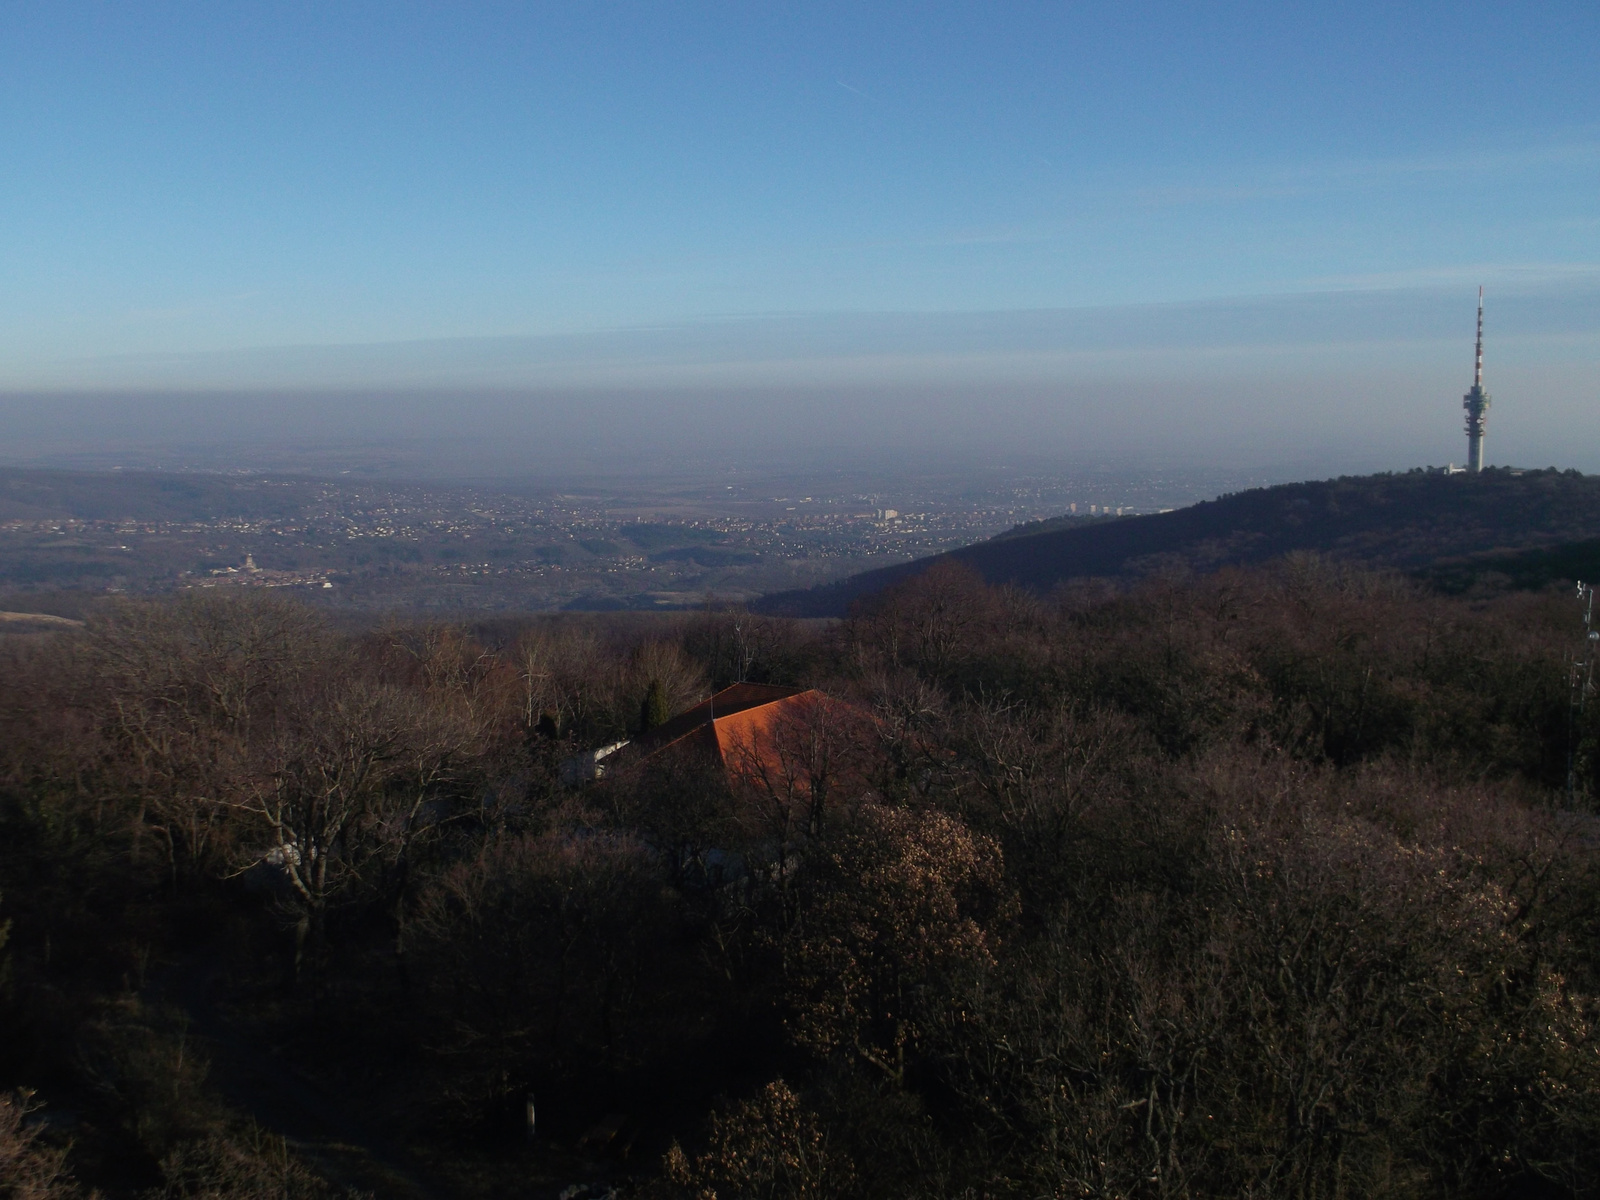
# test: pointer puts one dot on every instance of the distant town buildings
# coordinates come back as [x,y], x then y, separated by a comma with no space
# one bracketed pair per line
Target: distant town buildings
[250,575]
[381,546]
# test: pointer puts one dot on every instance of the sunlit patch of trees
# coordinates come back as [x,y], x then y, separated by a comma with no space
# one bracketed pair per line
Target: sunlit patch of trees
[1265,883]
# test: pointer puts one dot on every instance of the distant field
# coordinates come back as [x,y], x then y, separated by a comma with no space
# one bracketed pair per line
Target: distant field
[12,621]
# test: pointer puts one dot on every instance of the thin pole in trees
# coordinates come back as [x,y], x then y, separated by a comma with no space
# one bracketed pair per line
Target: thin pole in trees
[1580,683]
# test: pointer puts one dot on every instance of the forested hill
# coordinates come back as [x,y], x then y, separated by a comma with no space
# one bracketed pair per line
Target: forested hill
[1405,520]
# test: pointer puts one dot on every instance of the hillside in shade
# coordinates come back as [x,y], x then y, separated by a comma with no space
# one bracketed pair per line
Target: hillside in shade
[1460,526]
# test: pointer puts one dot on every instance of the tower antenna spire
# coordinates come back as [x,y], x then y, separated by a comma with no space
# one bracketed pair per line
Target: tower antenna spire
[1476,402]
[1477,370]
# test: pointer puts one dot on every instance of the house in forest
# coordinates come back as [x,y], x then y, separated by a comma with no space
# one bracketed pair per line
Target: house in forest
[738,717]
[751,732]
[789,756]
[792,745]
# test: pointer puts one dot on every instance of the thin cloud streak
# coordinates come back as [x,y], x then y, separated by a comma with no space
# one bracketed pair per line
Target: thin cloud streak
[1515,275]
[1389,322]
[1307,179]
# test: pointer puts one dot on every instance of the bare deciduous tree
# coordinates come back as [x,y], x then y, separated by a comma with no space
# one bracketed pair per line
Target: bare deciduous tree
[182,689]
[314,789]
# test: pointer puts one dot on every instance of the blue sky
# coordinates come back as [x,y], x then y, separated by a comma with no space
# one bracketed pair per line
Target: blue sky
[188,180]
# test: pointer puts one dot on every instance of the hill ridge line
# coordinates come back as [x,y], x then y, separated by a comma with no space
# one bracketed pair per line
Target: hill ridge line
[1406,520]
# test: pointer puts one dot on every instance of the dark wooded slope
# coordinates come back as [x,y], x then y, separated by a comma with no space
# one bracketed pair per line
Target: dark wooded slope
[1400,520]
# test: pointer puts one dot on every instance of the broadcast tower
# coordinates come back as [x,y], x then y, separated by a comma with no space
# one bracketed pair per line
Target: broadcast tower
[1476,402]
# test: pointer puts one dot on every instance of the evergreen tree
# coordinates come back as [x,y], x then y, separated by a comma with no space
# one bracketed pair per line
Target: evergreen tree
[654,710]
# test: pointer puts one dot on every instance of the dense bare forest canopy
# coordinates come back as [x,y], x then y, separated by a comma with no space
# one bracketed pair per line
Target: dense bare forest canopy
[1463,529]
[1274,882]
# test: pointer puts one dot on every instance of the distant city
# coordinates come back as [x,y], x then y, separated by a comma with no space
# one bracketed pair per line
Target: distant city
[606,545]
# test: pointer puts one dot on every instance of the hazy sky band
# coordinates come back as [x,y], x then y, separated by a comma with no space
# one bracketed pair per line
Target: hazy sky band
[1313,384]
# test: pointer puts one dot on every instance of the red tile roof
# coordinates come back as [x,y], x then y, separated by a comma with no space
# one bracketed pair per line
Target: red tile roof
[753,730]
[729,702]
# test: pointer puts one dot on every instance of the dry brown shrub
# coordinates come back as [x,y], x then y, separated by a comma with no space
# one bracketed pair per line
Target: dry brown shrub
[29,1169]
[250,1165]
[770,1148]
[897,907]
